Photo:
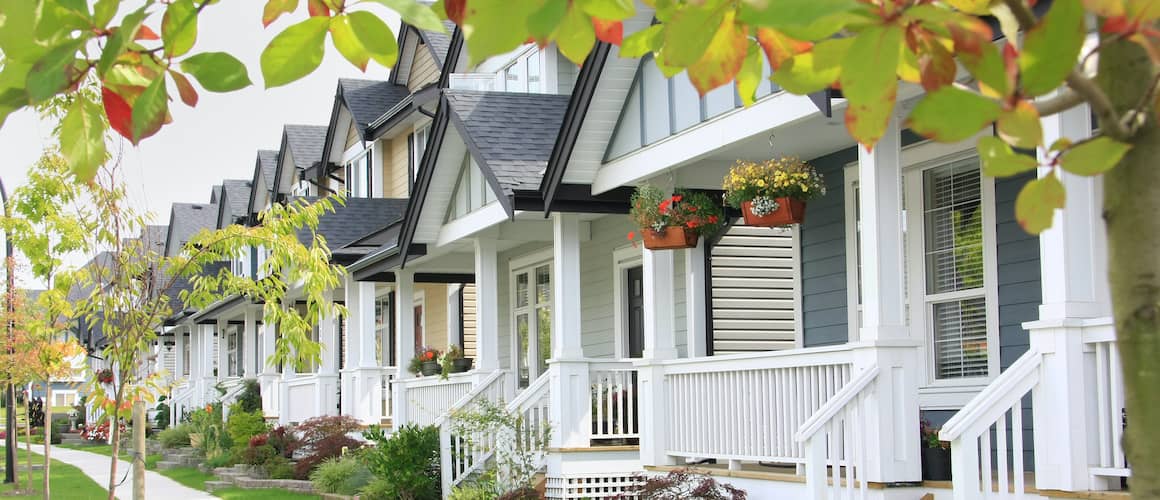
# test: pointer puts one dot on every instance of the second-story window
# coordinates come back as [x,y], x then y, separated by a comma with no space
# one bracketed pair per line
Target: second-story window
[359,176]
[523,74]
[417,146]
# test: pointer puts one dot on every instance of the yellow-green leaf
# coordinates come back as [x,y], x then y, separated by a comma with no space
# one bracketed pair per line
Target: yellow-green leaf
[869,81]
[54,72]
[689,32]
[575,36]
[488,26]
[375,36]
[979,7]
[722,58]
[544,21]
[275,8]
[1036,204]
[179,27]
[416,14]
[987,67]
[1020,126]
[347,44]
[612,10]
[801,19]
[217,71]
[1051,49]
[82,138]
[642,42]
[999,160]
[295,52]
[150,110]
[1094,156]
[952,114]
[750,76]
[814,70]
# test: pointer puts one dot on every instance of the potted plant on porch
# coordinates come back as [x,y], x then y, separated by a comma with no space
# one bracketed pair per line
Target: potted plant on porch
[426,362]
[774,192]
[669,222]
[936,455]
[455,362]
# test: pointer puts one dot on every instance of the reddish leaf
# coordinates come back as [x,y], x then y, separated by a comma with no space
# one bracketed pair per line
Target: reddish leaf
[147,33]
[722,58]
[275,8]
[317,8]
[455,10]
[970,37]
[1011,63]
[779,47]
[184,89]
[1119,25]
[119,112]
[936,67]
[608,31]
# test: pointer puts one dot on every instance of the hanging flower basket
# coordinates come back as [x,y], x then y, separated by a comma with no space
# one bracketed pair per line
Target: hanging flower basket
[669,238]
[105,376]
[669,222]
[773,193]
[774,212]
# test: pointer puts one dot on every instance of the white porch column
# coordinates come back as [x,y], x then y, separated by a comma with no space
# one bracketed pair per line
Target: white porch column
[268,374]
[179,361]
[571,411]
[222,354]
[327,376]
[486,306]
[893,442]
[659,345]
[1073,259]
[404,342]
[289,373]
[250,342]
[209,355]
[695,301]
[361,375]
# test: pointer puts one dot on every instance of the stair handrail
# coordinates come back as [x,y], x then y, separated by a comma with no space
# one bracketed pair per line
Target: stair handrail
[834,442]
[993,401]
[836,403]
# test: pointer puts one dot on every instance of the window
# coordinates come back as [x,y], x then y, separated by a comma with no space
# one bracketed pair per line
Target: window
[185,361]
[233,349]
[416,146]
[471,190]
[532,313]
[359,175]
[384,330]
[523,74]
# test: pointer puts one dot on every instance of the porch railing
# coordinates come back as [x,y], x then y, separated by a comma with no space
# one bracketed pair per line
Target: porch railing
[428,398]
[749,406]
[1109,403]
[613,399]
[461,456]
[387,403]
[301,398]
[976,471]
[835,442]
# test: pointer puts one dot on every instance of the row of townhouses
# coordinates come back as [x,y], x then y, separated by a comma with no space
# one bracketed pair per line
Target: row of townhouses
[487,211]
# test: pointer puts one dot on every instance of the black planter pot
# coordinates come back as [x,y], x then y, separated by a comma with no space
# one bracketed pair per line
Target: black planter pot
[430,368]
[936,464]
[461,365]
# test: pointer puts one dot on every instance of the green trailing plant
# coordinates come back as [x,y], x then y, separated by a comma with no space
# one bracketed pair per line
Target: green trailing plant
[162,417]
[406,462]
[652,209]
[520,443]
[483,488]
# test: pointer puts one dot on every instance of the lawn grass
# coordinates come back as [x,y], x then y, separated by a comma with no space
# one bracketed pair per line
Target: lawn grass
[107,450]
[263,494]
[188,476]
[67,482]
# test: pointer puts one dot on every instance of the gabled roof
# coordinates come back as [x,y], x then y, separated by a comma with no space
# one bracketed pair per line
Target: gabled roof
[234,201]
[367,100]
[215,194]
[186,220]
[268,165]
[265,172]
[353,221]
[439,43]
[305,143]
[510,135]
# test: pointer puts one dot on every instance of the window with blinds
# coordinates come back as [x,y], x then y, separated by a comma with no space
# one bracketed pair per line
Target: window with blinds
[953,260]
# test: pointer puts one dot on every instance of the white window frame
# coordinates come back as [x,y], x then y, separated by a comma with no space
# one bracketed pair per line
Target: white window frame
[934,393]
[528,264]
[359,182]
[420,300]
[623,259]
[385,356]
[232,352]
[526,57]
[418,139]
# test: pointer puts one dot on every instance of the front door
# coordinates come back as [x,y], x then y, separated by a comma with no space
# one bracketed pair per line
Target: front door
[635,307]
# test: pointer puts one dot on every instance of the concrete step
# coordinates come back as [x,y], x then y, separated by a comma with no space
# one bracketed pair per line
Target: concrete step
[166,465]
[212,486]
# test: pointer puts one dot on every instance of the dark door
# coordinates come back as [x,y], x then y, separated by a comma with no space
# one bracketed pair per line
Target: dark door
[418,328]
[635,298]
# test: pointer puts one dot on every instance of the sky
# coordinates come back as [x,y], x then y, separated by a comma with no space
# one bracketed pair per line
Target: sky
[220,138]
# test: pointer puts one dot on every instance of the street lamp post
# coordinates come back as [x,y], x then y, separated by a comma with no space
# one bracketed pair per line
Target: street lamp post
[10,391]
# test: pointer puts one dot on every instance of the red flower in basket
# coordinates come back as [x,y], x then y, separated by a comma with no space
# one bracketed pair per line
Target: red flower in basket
[105,376]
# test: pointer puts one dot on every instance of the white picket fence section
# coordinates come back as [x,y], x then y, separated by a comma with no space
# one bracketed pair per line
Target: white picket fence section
[462,456]
[835,442]
[387,408]
[976,471]
[749,406]
[613,399]
[428,398]
[1109,404]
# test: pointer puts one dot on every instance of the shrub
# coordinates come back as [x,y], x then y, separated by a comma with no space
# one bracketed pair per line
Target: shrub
[251,397]
[243,425]
[323,438]
[681,484]
[480,490]
[162,416]
[408,461]
[331,447]
[221,460]
[259,455]
[175,436]
[318,428]
[377,489]
[279,467]
[54,437]
[284,441]
[522,493]
[344,476]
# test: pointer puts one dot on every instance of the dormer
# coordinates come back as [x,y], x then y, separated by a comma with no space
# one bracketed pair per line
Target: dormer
[301,149]
[529,69]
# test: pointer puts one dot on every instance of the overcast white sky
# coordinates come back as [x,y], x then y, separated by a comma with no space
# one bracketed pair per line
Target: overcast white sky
[220,138]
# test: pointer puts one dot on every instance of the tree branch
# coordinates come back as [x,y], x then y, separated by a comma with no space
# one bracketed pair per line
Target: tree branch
[1063,101]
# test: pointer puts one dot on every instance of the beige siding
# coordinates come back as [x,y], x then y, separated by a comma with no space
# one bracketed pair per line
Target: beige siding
[351,136]
[395,172]
[424,70]
[469,321]
[434,314]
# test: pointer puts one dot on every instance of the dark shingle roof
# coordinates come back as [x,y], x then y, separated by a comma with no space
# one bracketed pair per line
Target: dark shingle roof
[215,194]
[237,197]
[188,219]
[511,133]
[358,218]
[367,100]
[154,237]
[306,142]
[268,162]
[439,42]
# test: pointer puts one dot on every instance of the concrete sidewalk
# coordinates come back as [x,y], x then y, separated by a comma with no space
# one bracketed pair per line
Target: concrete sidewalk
[96,466]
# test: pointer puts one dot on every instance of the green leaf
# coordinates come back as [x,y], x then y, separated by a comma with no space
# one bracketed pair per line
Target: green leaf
[1020,126]
[13,95]
[814,70]
[347,43]
[275,8]
[150,110]
[749,78]
[999,160]
[688,33]
[295,52]
[120,40]
[1035,206]
[18,40]
[1094,156]
[723,57]
[415,14]
[179,27]
[217,71]
[612,10]
[869,81]
[488,26]
[575,36]
[54,72]
[800,19]
[642,42]
[951,114]
[104,10]
[82,138]
[987,67]
[375,36]
[1051,49]
[543,22]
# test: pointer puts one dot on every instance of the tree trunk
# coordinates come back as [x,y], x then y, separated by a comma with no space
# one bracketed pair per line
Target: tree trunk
[47,437]
[1132,213]
[139,423]
[115,437]
[28,436]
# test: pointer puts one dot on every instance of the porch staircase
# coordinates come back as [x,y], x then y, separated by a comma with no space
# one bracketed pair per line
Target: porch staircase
[250,478]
